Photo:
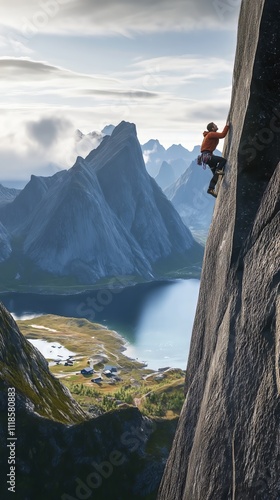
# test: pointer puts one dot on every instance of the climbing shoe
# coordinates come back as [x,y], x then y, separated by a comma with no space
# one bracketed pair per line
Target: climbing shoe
[211,191]
[220,172]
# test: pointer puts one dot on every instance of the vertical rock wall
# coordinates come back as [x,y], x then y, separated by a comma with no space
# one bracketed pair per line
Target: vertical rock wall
[227,444]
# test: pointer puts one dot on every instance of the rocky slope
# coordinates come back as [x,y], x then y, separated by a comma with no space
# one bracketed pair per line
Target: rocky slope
[177,156]
[166,175]
[17,214]
[60,452]
[104,217]
[23,367]
[7,194]
[227,443]
[5,244]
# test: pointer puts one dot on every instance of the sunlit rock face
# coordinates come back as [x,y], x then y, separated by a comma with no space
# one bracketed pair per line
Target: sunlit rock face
[228,438]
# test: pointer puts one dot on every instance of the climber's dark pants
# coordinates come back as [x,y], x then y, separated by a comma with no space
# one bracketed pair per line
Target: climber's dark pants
[215,163]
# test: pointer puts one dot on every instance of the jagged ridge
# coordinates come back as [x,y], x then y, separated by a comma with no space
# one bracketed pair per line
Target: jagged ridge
[104,217]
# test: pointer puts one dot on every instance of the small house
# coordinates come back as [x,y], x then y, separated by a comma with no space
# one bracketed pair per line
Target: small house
[87,371]
[97,380]
[112,369]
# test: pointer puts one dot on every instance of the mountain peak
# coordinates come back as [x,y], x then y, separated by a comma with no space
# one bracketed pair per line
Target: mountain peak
[125,127]
[78,135]
[153,144]
[103,217]
[108,129]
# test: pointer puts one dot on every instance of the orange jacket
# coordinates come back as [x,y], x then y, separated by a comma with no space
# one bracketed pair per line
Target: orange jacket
[211,139]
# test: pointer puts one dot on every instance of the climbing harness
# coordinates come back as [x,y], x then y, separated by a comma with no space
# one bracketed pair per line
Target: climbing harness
[204,158]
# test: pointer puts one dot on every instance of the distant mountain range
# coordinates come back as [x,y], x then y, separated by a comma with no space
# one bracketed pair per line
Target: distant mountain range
[178,157]
[156,156]
[103,217]
[166,175]
[189,196]
[5,244]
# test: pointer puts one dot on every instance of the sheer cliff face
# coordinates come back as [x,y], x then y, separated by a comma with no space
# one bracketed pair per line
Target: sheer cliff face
[228,439]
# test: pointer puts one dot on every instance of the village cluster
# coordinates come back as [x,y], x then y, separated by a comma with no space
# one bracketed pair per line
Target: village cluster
[110,372]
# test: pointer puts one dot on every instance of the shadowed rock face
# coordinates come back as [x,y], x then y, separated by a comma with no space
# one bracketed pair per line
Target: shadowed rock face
[7,195]
[62,453]
[5,245]
[227,444]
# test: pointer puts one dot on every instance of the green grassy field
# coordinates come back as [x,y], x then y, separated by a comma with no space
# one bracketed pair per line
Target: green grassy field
[154,393]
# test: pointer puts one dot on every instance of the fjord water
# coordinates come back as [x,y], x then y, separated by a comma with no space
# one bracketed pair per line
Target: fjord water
[163,331]
[155,318]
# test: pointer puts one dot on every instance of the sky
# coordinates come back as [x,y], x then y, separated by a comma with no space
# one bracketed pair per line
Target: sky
[83,64]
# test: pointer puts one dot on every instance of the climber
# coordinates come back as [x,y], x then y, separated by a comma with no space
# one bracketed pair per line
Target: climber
[216,163]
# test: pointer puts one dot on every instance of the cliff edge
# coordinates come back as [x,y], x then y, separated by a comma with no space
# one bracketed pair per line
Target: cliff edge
[51,449]
[227,444]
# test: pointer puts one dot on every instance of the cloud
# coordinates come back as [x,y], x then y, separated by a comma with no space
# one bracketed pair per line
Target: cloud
[47,131]
[23,68]
[24,76]
[148,152]
[129,94]
[177,71]
[49,141]
[92,17]
[152,93]
[189,62]
[87,142]
[40,146]
[10,44]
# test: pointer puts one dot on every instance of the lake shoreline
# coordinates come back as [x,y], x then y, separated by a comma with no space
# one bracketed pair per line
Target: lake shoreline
[94,351]
[155,319]
[119,282]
